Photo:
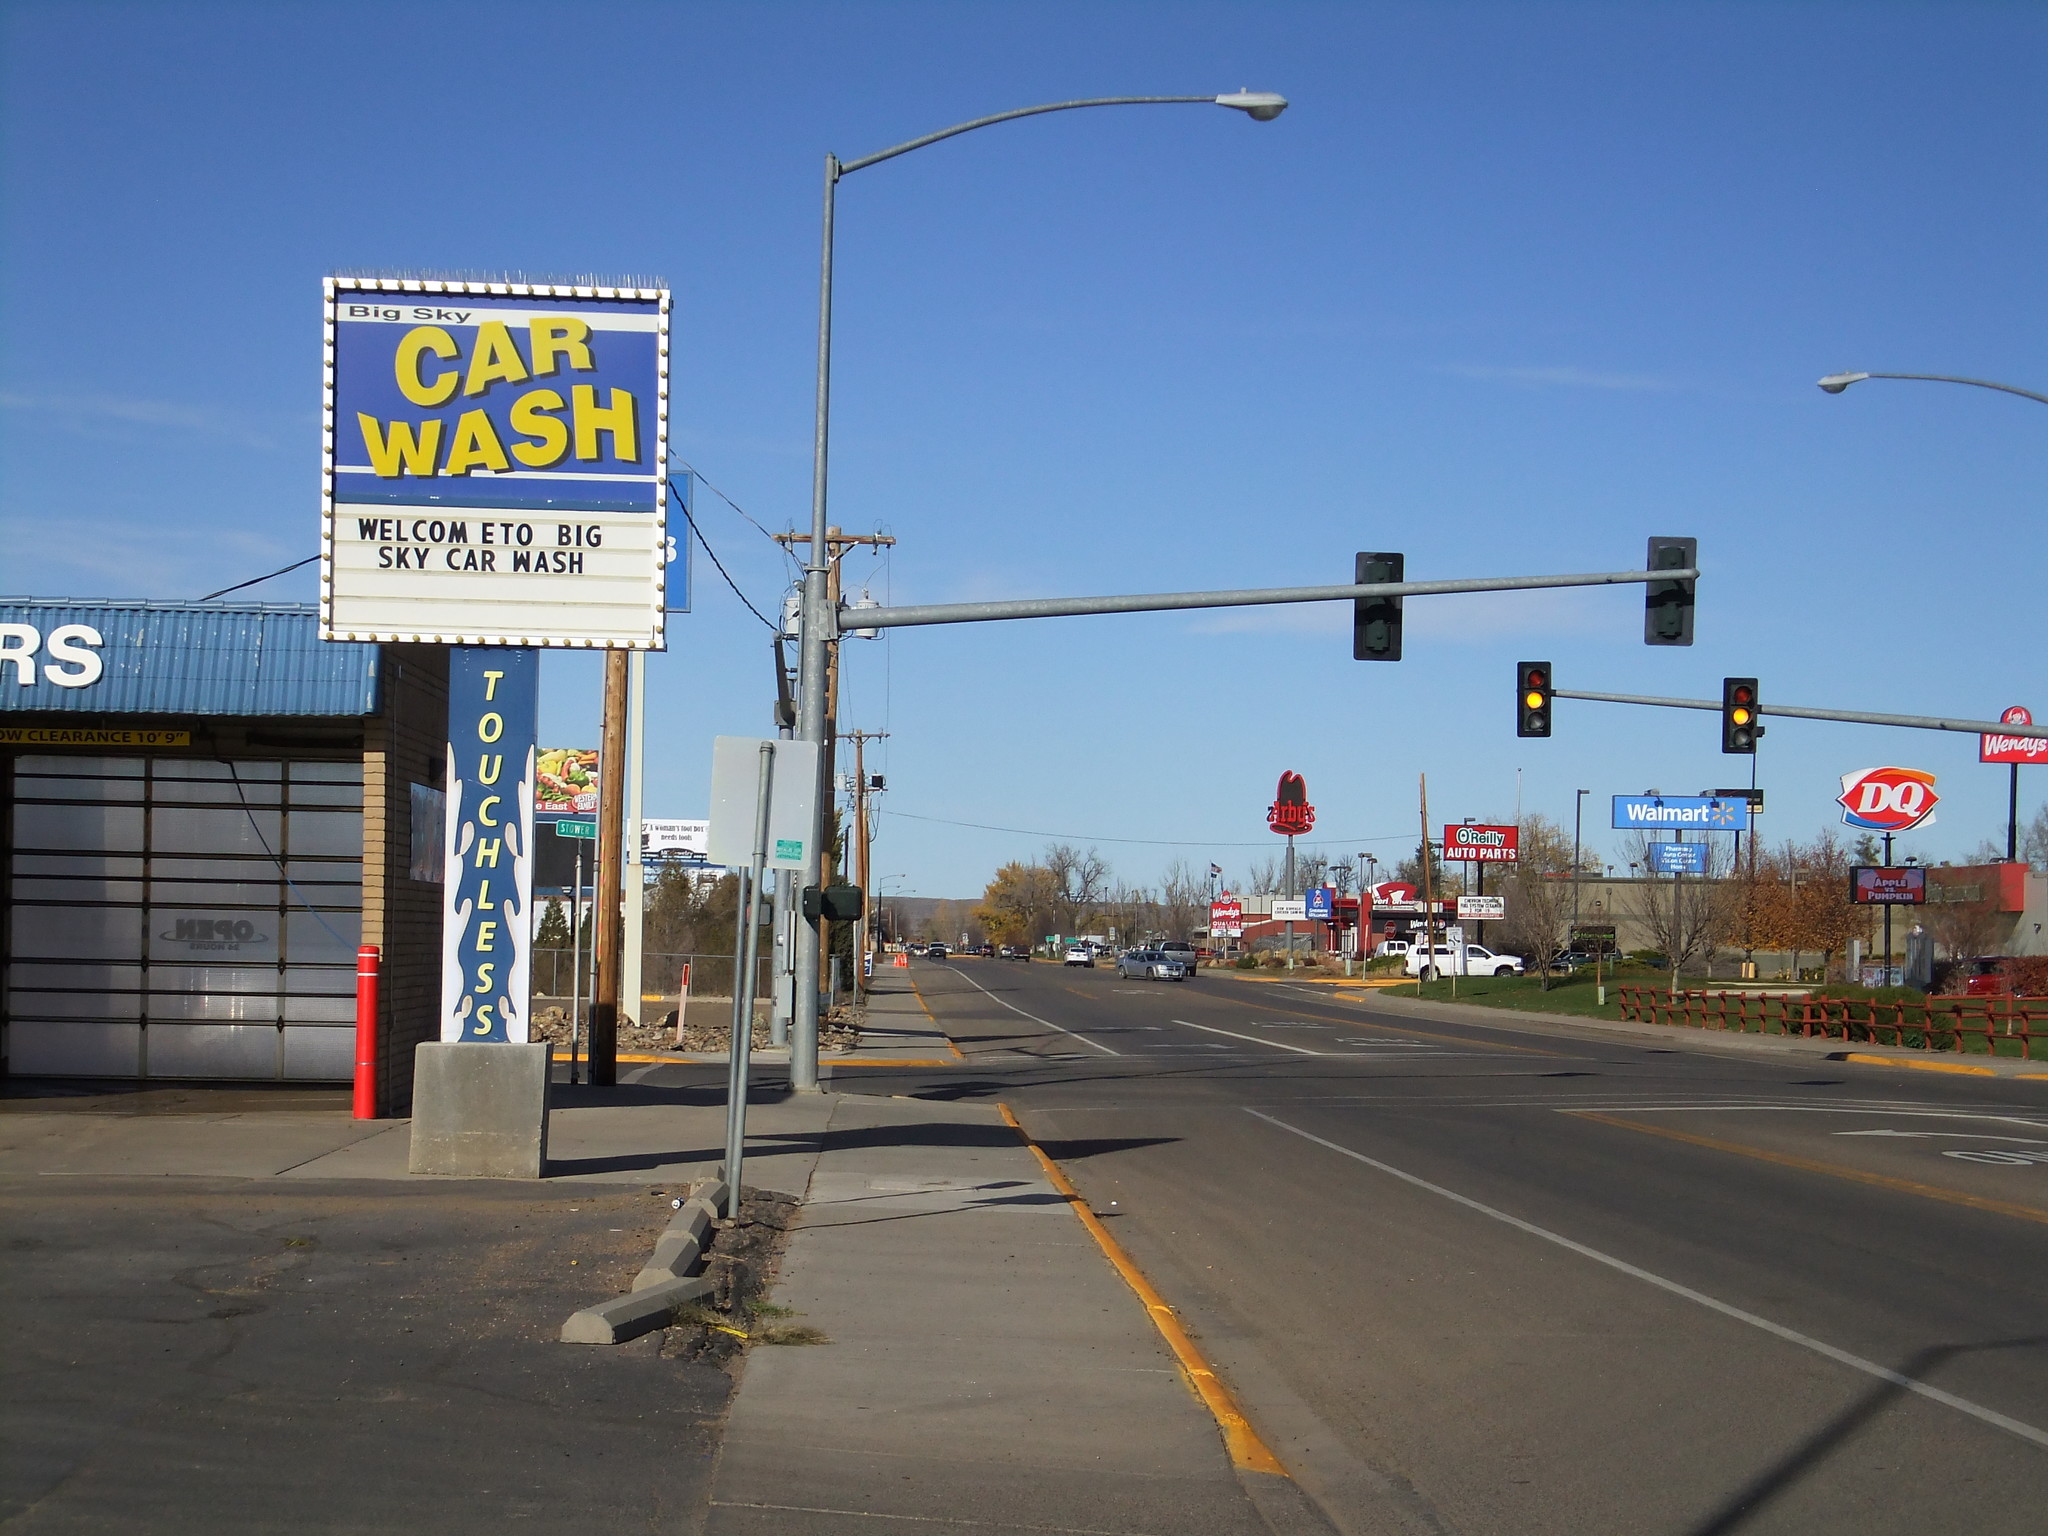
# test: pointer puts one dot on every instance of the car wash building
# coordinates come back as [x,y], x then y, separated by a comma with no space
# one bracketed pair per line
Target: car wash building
[207,809]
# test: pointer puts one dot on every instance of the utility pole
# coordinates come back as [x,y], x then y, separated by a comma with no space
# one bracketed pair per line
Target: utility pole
[611,826]
[861,861]
[814,940]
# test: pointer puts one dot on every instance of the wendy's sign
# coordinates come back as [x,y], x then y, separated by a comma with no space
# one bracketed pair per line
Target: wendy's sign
[2013,749]
[1290,814]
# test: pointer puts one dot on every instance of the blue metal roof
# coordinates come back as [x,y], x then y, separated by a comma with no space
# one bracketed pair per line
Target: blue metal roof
[172,658]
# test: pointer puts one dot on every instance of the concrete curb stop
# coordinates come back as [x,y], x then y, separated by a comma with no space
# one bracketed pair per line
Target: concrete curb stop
[666,1282]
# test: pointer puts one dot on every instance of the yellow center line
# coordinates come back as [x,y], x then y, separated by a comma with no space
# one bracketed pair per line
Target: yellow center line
[1832,1170]
[1247,1451]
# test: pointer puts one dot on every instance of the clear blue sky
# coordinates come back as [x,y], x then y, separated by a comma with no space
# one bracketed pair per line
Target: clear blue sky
[1509,289]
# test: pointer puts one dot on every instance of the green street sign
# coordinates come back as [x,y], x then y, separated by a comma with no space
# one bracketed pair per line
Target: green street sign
[583,829]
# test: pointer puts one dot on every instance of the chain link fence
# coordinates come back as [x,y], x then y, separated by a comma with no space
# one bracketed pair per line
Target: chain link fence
[554,971]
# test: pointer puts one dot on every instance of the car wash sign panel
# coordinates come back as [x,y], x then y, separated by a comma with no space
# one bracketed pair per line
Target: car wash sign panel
[493,460]
[1680,813]
[486,922]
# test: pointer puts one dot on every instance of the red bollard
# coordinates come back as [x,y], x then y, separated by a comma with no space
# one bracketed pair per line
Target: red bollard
[367,959]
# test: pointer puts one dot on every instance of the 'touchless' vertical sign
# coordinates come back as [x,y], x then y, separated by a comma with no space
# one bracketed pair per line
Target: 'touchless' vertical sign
[486,922]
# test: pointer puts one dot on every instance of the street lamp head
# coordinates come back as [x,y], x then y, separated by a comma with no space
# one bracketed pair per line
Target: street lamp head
[1261,106]
[1835,383]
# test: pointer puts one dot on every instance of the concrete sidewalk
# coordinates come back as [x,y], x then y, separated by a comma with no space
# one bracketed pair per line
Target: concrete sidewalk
[987,1366]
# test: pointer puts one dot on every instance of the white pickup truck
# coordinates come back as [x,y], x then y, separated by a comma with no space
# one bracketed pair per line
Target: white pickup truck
[1477,960]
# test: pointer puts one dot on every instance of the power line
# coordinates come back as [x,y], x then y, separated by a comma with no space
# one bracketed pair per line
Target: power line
[1156,842]
[683,502]
[224,591]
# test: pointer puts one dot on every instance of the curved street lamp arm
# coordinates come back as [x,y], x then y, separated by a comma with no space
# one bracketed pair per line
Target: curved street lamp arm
[849,166]
[1842,381]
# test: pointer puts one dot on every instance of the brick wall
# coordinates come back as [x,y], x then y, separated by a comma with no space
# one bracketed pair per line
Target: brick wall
[405,745]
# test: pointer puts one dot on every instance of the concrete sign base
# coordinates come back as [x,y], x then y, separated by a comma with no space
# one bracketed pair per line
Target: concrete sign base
[480,1111]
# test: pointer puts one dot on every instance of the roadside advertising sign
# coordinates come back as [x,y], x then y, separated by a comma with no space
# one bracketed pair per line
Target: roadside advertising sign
[1482,844]
[1286,911]
[1322,903]
[1895,885]
[1888,799]
[1680,813]
[687,838]
[1678,858]
[1482,908]
[1226,918]
[493,463]
[487,875]
[2013,749]
[1290,814]
[565,783]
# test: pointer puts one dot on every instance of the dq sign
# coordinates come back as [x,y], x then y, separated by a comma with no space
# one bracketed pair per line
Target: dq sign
[1888,799]
[1290,814]
[2013,749]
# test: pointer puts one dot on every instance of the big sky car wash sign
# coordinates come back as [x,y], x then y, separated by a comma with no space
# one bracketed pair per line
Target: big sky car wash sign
[1888,799]
[493,458]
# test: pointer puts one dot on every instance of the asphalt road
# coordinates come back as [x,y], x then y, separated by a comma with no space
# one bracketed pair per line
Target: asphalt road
[252,1356]
[1540,1279]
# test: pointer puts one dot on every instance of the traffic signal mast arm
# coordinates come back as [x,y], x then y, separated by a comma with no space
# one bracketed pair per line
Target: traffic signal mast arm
[1251,597]
[1850,716]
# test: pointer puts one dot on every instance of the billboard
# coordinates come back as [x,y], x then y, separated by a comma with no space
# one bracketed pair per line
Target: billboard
[1878,885]
[2013,749]
[565,782]
[1482,908]
[493,463]
[1680,813]
[1482,844]
[1888,799]
[683,839]
[1226,918]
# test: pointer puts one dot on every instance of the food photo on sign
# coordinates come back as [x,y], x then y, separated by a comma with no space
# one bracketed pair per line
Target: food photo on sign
[565,782]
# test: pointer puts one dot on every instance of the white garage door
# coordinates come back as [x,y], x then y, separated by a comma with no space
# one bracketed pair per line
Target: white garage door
[176,918]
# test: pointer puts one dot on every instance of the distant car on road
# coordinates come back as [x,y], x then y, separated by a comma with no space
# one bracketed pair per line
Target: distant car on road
[1151,965]
[936,952]
[1479,961]
[1015,952]
[986,951]
[1186,954]
[1079,954]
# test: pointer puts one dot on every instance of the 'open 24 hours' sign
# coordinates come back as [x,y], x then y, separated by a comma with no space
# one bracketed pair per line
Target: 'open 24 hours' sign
[493,459]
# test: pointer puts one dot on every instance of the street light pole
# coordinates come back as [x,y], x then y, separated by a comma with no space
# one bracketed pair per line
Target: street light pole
[819,621]
[1578,812]
[1835,383]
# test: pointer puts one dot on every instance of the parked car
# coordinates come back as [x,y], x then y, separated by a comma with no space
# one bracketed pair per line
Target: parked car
[986,951]
[936,952]
[1570,960]
[1478,961]
[1186,954]
[1387,947]
[1151,965]
[1079,954]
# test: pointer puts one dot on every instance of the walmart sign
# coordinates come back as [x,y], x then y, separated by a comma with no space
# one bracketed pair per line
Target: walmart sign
[1679,813]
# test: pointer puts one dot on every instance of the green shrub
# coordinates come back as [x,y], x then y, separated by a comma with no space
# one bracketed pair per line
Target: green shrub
[1246,962]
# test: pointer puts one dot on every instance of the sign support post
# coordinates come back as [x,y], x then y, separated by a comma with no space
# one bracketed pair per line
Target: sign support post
[746,954]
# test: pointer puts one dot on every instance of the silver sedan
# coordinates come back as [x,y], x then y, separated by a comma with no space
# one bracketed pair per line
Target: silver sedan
[1151,965]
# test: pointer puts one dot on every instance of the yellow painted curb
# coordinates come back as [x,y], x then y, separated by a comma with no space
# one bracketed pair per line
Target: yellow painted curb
[1247,1451]
[927,1007]
[1936,1066]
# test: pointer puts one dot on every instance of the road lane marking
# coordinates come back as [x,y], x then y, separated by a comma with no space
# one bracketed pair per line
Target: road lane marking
[1912,1384]
[1247,1450]
[917,992]
[1280,1045]
[1811,1165]
[1354,1023]
[1034,1018]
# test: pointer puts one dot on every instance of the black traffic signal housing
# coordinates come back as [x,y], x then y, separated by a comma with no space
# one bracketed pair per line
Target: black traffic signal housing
[1532,698]
[1376,621]
[1739,729]
[1667,605]
[835,903]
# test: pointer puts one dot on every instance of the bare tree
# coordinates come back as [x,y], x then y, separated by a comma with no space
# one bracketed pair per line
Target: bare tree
[1079,882]
[1183,901]
[1539,894]
[1264,876]
[1344,874]
[1310,869]
[1685,916]
[1963,913]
